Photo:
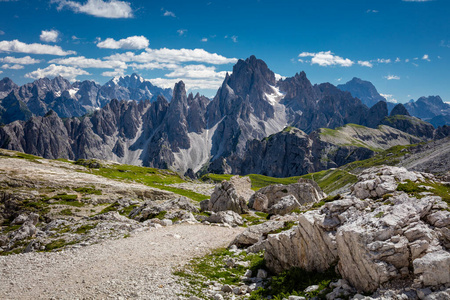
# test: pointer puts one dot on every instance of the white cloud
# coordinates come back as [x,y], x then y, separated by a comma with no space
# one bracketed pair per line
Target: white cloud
[154,66]
[169,14]
[83,62]
[1,72]
[383,61]
[374,11]
[49,36]
[279,77]
[27,60]
[392,77]
[12,67]
[165,55]
[234,38]
[204,83]
[181,32]
[131,43]
[196,71]
[327,58]
[204,39]
[112,9]
[118,72]
[426,57]
[53,70]
[415,65]
[417,0]
[407,60]
[365,63]
[398,60]
[17,46]
[389,98]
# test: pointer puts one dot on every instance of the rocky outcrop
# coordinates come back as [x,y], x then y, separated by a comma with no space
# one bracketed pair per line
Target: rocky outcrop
[231,195]
[180,208]
[399,109]
[283,199]
[411,125]
[228,217]
[373,241]
[427,108]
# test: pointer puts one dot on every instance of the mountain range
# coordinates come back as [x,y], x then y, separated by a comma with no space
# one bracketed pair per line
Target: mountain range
[70,100]
[255,123]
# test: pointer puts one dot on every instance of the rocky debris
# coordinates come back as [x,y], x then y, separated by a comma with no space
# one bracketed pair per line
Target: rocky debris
[303,192]
[373,241]
[226,217]
[231,195]
[180,207]
[376,182]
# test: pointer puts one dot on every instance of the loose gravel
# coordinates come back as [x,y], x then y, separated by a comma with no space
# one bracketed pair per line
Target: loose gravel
[138,267]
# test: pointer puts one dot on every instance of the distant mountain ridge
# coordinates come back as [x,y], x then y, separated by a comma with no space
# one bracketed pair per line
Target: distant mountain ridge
[70,100]
[194,134]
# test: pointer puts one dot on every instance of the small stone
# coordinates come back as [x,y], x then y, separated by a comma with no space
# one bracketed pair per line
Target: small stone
[248,273]
[218,297]
[226,288]
[311,288]
[296,298]
[261,274]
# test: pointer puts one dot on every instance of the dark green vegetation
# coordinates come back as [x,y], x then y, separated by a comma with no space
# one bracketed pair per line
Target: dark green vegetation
[56,244]
[415,188]
[294,282]
[214,267]
[88,190]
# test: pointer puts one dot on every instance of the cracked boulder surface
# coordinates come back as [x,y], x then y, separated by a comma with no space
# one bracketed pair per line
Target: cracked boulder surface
[373,240]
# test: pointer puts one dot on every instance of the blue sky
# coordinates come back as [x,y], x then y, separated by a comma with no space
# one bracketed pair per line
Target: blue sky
[403,47]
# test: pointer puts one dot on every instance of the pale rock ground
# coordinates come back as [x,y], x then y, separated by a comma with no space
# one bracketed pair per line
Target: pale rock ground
[139,267]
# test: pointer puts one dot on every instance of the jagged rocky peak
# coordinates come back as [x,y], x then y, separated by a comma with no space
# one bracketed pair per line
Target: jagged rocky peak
[251,76]
[6,86]
[399,109]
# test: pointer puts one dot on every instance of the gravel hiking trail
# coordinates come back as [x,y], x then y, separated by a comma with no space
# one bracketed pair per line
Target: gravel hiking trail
[137,267]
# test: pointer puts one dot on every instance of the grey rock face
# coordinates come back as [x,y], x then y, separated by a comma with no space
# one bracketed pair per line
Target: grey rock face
[399,109]
[231,195]
[428,108]
[256,233]
[411,125]
[303,192]
[374,243]
[226,217]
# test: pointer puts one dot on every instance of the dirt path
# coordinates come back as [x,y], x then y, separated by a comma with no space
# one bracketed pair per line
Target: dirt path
[138,267]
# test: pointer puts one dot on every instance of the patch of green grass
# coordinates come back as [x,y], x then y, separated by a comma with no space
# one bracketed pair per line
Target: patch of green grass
[113,207]
[21,155]
[56,244]
[159,215]
[127,210]
[332,180]
[213,267]
[217,178]
[66,212]
[294,282]
[10,228]
[262,214]
[441,190]
[379,215]
[85,228]
[88,190]
[411,188]
[65,197]
[252,220]
[70,203]
[258,181]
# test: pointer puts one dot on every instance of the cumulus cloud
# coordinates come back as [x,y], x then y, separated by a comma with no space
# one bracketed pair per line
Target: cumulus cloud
[27,60]
[83,62]
[392,77]
[204,39]
[165,55]
[196,71]
[12,67]
[112,9]
[53,70]
[397,60]
[130,43]
[35,48]
[169,14]
[154,66]
[118,72]
[49,36]
[365,63]
[426,57]
[389,98]
[327,58]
